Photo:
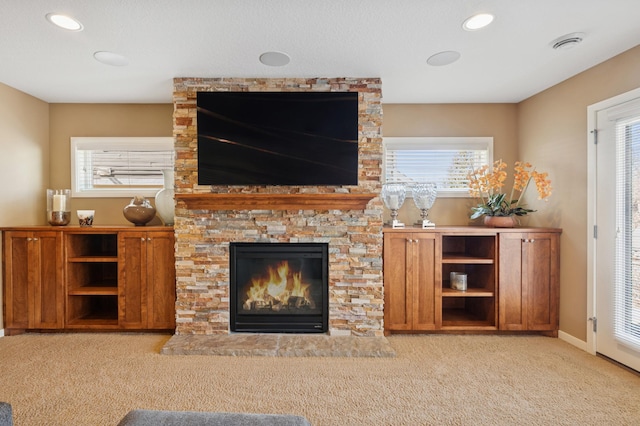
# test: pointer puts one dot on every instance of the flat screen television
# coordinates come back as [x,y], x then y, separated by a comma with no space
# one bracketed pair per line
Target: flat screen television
[277,138]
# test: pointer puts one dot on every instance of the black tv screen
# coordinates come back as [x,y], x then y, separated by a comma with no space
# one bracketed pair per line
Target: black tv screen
[277,138]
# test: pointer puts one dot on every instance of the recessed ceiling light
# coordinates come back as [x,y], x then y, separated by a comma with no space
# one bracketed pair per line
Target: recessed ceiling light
[567,41]
[64,21]
[478,21]
[275,59]
[443,58]
[110,58]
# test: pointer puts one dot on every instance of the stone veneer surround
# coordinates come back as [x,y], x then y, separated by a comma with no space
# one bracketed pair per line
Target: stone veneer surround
[354,236]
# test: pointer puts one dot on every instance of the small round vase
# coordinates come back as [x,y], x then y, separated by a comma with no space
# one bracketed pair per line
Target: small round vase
[500,221]
[139,211]
[164,199]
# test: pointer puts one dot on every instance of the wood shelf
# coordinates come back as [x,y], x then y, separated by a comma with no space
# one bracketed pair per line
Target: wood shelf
[94,291]
[243,201]
[451,258]
[471,292]
[92,259]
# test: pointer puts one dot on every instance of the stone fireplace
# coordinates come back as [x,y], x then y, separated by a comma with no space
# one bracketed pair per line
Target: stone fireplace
[348,219]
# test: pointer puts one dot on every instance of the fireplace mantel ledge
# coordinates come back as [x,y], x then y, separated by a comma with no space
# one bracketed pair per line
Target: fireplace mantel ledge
[243,201]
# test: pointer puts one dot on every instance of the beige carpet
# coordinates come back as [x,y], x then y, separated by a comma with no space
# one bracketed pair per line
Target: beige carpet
[95,379]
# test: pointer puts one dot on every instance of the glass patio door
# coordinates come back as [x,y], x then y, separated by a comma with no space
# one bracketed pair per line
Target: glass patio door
[617,278]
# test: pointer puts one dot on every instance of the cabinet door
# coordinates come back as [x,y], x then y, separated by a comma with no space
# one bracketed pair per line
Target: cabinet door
[512,309]
[48,291]
[34,294]
[529,281]
[409,281]
[422,267]
[540,276]
[17,292]
[161,280]
[398,287]
[132,279]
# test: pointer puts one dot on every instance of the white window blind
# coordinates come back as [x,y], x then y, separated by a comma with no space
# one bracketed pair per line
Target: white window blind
[627,257]
[445,160]
[116,167]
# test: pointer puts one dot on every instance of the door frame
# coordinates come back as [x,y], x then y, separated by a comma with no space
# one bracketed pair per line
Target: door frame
[592,220]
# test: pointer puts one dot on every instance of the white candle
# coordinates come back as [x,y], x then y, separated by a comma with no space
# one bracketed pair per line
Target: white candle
[393,202]
[59,203]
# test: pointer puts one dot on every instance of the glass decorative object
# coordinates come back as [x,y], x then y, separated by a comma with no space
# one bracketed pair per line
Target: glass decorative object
[393,195]
[165,207]
[424,195]
[58,206]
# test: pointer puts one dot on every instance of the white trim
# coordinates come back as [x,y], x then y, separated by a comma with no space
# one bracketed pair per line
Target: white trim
[580,344]
[592,111]
[1,332]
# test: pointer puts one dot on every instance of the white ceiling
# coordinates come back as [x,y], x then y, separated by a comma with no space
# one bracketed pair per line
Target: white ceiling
[508,61]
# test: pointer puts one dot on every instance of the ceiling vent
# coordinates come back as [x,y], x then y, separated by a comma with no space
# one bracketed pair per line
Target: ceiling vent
[567,41]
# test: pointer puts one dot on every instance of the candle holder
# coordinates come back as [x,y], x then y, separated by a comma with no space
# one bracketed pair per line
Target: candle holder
[424,195]
[58,211]
[393,195]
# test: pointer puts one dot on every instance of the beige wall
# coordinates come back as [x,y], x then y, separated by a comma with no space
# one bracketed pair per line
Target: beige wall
[496,120]
[69,120]
[553,134]
[24,163]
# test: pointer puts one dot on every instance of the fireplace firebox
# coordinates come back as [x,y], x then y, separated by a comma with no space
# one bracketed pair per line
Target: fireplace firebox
[279,287]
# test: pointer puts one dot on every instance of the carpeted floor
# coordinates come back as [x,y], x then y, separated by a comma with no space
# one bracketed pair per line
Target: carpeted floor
[95,379]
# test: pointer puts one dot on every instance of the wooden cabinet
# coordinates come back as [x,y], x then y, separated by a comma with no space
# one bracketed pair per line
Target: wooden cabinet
[529,274]
[98,278]
[146,276]
[33,280]
[512,279]
[410,281]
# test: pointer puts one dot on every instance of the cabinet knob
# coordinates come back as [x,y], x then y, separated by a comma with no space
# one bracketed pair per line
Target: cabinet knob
[142,239]
[148,238]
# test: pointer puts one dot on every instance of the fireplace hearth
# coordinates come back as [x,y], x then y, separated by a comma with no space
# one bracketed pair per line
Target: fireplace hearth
[279,287]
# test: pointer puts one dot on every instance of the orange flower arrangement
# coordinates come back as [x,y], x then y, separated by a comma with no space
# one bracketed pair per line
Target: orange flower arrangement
[486,183]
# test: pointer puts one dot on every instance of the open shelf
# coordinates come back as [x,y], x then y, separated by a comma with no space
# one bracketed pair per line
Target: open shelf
[474,255]
[92,246]
[468,248]
[468,312]
[92,279]
[92,310]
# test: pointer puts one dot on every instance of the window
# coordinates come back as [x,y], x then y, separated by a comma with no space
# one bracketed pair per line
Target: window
[119,167]
[446,161]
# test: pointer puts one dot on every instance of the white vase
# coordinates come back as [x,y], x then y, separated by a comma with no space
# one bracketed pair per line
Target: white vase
[165,206]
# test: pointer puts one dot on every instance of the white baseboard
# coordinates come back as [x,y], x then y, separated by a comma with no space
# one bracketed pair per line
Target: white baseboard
[1,332]
[580,344]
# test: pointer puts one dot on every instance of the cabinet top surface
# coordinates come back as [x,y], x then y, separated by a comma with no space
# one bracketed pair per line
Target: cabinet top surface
[88,229]
[469,230]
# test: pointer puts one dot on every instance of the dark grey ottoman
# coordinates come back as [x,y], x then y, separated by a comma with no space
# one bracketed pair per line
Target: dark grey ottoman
[193,418]
[6,415]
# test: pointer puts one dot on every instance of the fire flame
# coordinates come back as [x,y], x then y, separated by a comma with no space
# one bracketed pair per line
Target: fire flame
[280,286]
